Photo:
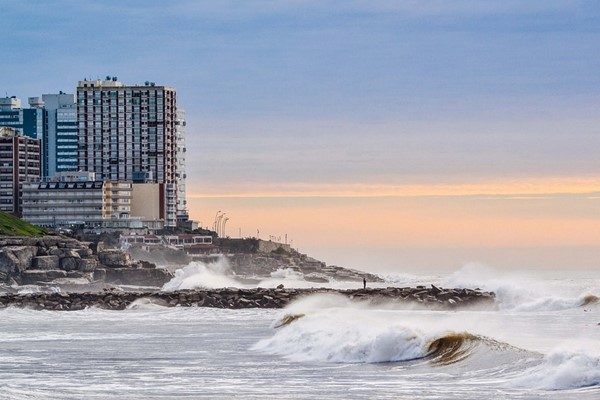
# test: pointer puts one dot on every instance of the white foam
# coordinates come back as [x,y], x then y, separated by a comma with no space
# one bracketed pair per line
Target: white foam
[341,335]
[563,369]
[202,275]
[518,292]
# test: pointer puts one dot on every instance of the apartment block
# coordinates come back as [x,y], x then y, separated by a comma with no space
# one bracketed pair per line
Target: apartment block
[180,175]
[129,133]
[19,162]
[75,199]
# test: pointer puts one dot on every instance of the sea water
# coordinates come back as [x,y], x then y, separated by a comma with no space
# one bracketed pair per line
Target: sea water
[541,340]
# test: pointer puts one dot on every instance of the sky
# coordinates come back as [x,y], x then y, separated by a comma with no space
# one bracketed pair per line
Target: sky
[382,135]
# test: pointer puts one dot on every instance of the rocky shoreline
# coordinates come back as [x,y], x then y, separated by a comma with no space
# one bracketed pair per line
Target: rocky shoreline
[233,298]
[58,260]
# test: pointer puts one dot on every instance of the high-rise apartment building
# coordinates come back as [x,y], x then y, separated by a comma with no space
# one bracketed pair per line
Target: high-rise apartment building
[19,162]
[26,121]
[180,175]
[60,141]
[129,133]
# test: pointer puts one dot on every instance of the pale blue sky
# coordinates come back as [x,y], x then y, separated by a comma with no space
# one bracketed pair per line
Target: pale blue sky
[338,91]
[309,95]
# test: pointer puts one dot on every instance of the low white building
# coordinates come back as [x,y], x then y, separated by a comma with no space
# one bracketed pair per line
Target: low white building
[75,198]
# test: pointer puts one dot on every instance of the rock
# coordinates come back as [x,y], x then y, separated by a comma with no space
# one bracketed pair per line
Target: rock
[280,286]
[32,276]
[9,264]
[87,264]
[114,258]
[15,259]
[45,262]
[69,263]
[84,252]
[138,276]
[99,274]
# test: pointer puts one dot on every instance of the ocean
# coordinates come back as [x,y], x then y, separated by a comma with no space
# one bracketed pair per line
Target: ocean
[542,340]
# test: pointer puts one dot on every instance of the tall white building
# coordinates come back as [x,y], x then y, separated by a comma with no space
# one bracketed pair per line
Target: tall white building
[129,133]
[182,211]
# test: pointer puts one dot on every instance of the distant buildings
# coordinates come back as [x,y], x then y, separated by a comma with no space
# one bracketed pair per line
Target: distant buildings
[26,121]
[19,162]
[109,135]
[60,141]
[78,198]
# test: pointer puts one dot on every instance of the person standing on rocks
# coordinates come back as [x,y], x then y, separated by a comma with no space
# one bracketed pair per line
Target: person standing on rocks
[364,282]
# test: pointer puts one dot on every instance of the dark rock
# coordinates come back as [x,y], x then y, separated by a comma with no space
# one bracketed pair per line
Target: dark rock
[138,276]
[32,276]
[45,262]
[69,263]
[99,274]
[87,264]
[114,258]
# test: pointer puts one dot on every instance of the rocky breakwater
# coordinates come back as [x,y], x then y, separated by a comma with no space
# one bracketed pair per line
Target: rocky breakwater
[245,298]
[56,260]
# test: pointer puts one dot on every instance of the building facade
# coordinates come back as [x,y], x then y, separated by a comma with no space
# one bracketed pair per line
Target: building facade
[29,122]
[20,161]
[128,132]
[70,199]
[60,142]
[182,210]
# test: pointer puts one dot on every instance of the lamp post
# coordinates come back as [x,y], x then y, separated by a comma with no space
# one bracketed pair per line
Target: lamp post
[219,220]
[223,228]
[215,221]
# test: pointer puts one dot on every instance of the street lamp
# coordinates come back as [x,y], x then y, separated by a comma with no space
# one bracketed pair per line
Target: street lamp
[215,221]
[224,223]
[219,224]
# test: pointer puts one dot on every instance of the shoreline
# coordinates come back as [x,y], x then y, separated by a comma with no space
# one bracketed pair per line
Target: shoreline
[234,298]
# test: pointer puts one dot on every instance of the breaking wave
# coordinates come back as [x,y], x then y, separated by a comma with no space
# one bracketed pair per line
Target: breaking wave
[331,329]
[327,328]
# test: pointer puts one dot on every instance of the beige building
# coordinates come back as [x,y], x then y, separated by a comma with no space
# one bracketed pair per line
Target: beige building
[147,200]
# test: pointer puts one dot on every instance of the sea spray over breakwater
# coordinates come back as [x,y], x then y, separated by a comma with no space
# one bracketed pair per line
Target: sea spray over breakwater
[518,292]
[202,275]
[513,292]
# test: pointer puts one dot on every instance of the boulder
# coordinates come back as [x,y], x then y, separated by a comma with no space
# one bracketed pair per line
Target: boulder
[69,263]
[32,276]
[15,259]
[138,276]
[9,264]
[114,258]
[99,274]
[45,262]
[87,264]
[84,252]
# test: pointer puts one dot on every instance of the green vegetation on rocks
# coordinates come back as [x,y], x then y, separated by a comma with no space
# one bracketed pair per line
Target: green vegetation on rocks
[13,226]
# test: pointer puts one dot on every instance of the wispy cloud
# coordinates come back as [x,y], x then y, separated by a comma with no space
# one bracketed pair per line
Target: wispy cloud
[515,189]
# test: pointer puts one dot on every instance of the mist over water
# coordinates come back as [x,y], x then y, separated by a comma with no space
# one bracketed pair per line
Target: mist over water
[541,340]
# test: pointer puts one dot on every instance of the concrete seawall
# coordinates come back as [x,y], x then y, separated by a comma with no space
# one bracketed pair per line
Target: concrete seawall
[244,298]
